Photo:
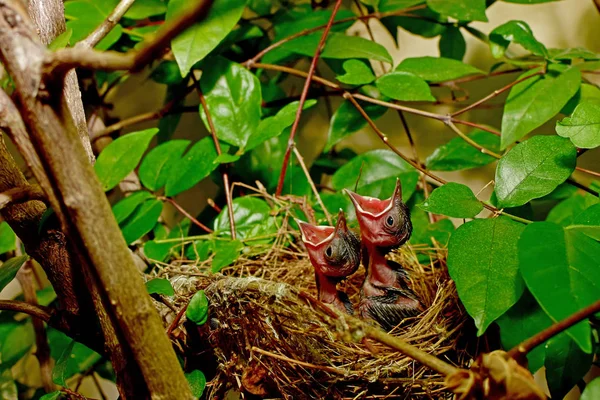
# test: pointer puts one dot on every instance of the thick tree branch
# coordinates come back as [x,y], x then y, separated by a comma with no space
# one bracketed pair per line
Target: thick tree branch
[40,312]
[109,23]
[21,195]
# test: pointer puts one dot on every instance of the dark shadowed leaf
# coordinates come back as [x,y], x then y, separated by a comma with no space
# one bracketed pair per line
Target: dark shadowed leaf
[160,286]
[167,72]
[121,157]
[226,252]
[197,310]
[533,169]
[565,212]
[561,269]
[427,23]
[482,261]
[588,222]
[15,341]
[452,44]
[534,101]
[142,220]
[127,206]
[592,390]
[463,10]
[458,154]
[8,239]
[141,9]
[233,98]
[434,69]
[583,127]
[573,53]
[586,93]
[60,371]
[454,200]
[79,358]
[347,120]
[9,269]
[515,32]
[404,86]
[154,169]
[357,73]
[197,41]
[565,365]
[197,382]
[252,218]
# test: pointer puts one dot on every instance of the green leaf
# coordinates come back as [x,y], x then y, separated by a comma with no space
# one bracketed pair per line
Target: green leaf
[463,10]
[194,166]
[8,387]
[127,206]
[142,220]
[61,41]
[59,373]
[78,357]
[586,93]
[160,286]
[572,53]
[454,200]
[197,310]
[160,251]
[452,44]
[588,222]
[482,261]
[234,100]
[457,154]
[141,9]
[565,365]
[534,101]
[121,157]
[561,269]
[565,212]
[226,252]
[197,382]
[154,169]
[252,218]
[273,126]
[347,120]
[8,239]
[196,42]
[533,169]
[522,321]
[583,127]
[9,269]
[515,32]
[167,72]
[529,1]
[424,22]
[84,16]
[378,171]
[357,73]
[52,395]
[435,69]
[15,341]
[200,250]
[404,86]
[592,390]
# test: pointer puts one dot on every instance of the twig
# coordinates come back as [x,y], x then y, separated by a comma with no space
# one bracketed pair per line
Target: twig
[107,25]
[312,184]
[21,195]
[40,312]
[177,319]
[186,214]
[587,171]
[548,333]
[311,72]
[470,141]
[302,363]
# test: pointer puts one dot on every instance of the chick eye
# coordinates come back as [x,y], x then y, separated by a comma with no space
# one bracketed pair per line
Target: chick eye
[389,220]
[328,251]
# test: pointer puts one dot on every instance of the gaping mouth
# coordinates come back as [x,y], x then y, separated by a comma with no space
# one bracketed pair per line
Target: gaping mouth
[315,235]
[370,205]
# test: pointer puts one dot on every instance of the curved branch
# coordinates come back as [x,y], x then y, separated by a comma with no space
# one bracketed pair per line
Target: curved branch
[40,312]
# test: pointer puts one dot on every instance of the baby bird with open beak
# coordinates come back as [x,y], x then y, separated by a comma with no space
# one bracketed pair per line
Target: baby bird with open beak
[335,255]
[385,225]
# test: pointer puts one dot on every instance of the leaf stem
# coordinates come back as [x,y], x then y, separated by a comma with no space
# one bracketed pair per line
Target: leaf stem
[185,213]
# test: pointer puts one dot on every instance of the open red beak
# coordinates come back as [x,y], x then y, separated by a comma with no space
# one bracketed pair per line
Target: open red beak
[315,235]
[373,207]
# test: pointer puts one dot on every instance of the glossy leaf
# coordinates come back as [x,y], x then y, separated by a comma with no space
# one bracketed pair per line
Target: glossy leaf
[83,16]
[356,73]
[536,100]
[200,39]
[8,239]
[226,252]
[233,98]
[529,1]
[565,365]
[515,32]
[252,218]
[533,169]
[121,157]
[141,9]
[457,154]
[127,206]
[380,169]
[561,269]
[197,163]
[588,222]
[452,44]
[154,169]
[434,69]
[393,5]
[463,10]
[59,373]
[160,286]
[142,220]
[347,120]
[586,93]
[454,200]
[197,382]
[16,340]
[404,86]
[9,269]
[197,310]
[482,261]
[583,127]
[567,211]
[592,390]
[572,53]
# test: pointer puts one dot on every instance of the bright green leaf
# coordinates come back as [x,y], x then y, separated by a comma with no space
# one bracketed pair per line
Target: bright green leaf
[347,120]
[536,100]
[160,286]
[226,252]
[154,169]
[457,154]
[454,200]
[9,269]
[142,220]
[15,341]
[435,69]
[252,218]
[61,41]
[463,10]
[8,239]
[482,261]
[84,16]
[566,212]
[121,157]
[515,32]
[583,127]
[562,270]
[588,222]
[200,39]
[197,382]
[127,206]
[592,390]
[197,310]
[357,73]
[234,101]
[533,169]
[226,158]
[452,44]
[529,1]
[52,395]
[565,365]
[404,86]
[141,9]
[200,250]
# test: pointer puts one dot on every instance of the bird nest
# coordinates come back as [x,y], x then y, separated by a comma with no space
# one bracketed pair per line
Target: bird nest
[269,337]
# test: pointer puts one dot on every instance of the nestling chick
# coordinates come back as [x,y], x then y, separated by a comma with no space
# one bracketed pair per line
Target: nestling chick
[384,225]
[335,255]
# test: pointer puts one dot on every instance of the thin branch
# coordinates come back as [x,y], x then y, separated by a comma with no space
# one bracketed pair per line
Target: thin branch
[186,214]
[471,141]
[40,312]
[588,171]
[311,72]
[21,195]
[298,362]
[107,25]
[312,185]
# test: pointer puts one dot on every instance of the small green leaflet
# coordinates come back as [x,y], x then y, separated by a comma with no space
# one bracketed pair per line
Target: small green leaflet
[160,286]
[8,239]
[592,390]
[154,169]
[482,261]
[583,127]
[457,154]
[197,310]
[61,41]
[565,365]
[434,69]
[565,212]
[454,200]
[357,73]
[142,9]
[197,382]
[226,252]
[404,86]
[142,220]
[586,93]
[121,157]
[127,206]
[588,222]
[533,169]
[9,269]
[51,396]
[252,218]
[347,120]
[561,269]
[462,10]
[515,32]
[200,39]
[59,373]
[452,44]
